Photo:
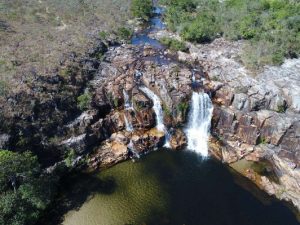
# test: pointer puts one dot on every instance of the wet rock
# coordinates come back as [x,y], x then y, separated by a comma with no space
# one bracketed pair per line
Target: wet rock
[108,154]
[178,139]
[149,140]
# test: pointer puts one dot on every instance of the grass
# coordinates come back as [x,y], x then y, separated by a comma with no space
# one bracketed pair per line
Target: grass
[36,35]
[270,28]
[174,44]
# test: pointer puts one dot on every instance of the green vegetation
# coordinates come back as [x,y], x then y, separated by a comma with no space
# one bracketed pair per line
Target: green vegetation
[174,44]
[25,192]
[141,9]
[70,157]
[271,28]
[103,34]
[116,102]
[281,109]
[262,140]
[84,101]
[182,107]
[55,26]
[124,33]
[166,110]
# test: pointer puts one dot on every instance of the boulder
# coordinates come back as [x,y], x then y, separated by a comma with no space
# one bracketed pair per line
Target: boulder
[178,139]
[4,141]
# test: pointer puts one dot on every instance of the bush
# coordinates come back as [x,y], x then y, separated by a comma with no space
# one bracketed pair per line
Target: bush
[25,191]
[202,29]
[141,9]
[103,35]
[271,28]
[84,101]
[182,107]
[174,44]
[70,157]
[124,33]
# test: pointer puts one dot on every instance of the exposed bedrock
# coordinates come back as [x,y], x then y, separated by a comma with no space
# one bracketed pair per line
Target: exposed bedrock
[256,116]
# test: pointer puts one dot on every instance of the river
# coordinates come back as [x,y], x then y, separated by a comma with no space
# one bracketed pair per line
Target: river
[166,187]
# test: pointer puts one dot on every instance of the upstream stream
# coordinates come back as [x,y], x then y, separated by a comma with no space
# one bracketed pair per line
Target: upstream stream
[168,187]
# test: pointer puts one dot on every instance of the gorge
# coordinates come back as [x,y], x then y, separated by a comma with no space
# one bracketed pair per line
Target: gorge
[180,116]
[178,95]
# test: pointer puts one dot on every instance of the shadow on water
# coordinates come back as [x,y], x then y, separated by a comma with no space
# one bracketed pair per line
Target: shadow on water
[205,192]
[76,190]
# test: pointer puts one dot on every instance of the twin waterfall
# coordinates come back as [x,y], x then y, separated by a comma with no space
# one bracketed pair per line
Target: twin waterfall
[199,123]
[199,119]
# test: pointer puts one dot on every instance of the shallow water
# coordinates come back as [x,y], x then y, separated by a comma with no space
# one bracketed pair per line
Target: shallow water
[167,187]
[155,24]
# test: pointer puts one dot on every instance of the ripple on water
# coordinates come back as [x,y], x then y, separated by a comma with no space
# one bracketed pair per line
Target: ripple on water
[167,187]
[136,194]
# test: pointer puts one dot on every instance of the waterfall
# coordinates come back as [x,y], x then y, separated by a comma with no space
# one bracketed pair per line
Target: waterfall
[199,123]
[128,106]
[158,112]
[193,76]
[133,151]
[126,100]
[156,107]
[128,125]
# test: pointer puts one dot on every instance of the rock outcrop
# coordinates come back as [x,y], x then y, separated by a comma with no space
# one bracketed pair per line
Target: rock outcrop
[256,116]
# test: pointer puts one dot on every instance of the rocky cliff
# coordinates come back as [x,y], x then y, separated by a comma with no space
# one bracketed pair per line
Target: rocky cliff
[256,117]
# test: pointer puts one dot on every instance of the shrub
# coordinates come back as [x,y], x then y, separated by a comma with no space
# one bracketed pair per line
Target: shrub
[103,34]
[166,110]
[280,109]
[262,140]
[271,28]
[182,107]
[202,29]
[84,101]
[124,33]
[141,9]
[70,157]
[174,44]
[25,191]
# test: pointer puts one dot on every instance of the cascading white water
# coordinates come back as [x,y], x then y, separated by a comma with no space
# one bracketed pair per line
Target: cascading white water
[158,112]
[128,106]
[156,107]
[193,76]
[128,125]
[199,123]
[127,100]
[135,154]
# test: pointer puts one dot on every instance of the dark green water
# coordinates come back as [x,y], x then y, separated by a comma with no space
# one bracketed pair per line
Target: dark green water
[168,187]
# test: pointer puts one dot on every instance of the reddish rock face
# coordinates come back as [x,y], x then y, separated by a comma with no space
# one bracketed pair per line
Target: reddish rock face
[178,139]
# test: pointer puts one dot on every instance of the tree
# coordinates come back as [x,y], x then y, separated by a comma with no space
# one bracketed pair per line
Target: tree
[141,9]
[24,190]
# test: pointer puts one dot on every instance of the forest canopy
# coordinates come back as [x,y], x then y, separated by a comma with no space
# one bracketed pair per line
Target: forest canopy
[24,191]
